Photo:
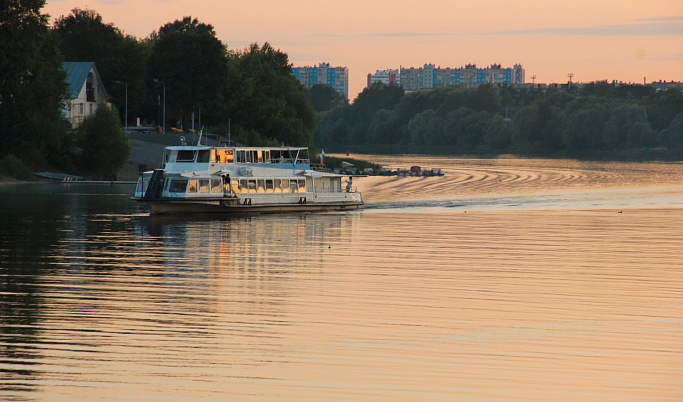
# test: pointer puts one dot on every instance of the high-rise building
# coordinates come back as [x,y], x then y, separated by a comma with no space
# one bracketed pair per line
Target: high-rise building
[336,77]
[429,76]
[386,77]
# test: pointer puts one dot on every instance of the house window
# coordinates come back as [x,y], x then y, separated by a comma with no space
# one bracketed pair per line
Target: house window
[90,88]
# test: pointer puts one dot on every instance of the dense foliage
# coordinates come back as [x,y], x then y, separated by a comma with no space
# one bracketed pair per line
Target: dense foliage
[599,118]
[105,147]
[32,86]
[252,91]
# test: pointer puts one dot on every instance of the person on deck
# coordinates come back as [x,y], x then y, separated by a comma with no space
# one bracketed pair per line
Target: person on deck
[349,184]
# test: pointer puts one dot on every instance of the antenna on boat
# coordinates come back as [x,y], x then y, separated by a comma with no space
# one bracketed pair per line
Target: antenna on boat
[199,141]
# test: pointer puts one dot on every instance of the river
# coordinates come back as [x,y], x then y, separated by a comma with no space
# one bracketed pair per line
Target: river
[507,279]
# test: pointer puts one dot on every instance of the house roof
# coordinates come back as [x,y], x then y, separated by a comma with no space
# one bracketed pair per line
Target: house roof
[76,74]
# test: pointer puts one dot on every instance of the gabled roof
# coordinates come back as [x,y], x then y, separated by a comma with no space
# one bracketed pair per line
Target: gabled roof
[76,74]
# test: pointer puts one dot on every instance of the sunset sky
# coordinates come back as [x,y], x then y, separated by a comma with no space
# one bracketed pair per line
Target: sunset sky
[623,40]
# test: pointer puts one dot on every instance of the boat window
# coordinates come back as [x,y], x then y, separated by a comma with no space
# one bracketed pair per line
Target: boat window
[229,157]
[141,185]
[178,186]
[302,185]
[203,155]
[259,156]
[193,186]
[236,186]
[269,185]
[261,186]
[220,155]
[277,185]
[293,187]
[185,155]
[166,183]
[285,186]
[248,154]
[266,156]
[216,186]
[252,186]
[203,186]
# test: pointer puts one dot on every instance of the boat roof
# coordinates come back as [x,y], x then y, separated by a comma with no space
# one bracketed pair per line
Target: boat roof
[204,147]
[317,174]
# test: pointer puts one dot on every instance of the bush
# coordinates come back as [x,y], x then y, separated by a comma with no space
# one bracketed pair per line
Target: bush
[11,166]
[106,148]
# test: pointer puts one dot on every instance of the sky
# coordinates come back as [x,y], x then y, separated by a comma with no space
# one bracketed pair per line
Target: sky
[622,40]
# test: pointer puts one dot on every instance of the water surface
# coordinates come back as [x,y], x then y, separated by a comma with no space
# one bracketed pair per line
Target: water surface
[505,280]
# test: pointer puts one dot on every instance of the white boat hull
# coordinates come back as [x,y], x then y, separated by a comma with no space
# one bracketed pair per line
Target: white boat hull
[174,206]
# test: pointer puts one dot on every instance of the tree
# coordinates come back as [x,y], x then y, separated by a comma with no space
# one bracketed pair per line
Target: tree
[106,148]
[628,127]
[484,98]
[332,126]
[497,134]
[583,128]
[85,37]
[662,107]
[32,85]
[384,128]
[538,128]
[324,97]
[374,98]
[192,63]
[263,96]
[672,137]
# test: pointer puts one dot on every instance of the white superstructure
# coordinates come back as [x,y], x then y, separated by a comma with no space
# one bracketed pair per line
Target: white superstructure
[242,180]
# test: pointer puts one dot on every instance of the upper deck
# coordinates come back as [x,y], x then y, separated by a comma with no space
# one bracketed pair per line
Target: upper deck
[210,158]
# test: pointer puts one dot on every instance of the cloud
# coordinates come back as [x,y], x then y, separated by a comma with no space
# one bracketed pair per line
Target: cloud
[659,28]
[657,19]
[665,56]
[406,34]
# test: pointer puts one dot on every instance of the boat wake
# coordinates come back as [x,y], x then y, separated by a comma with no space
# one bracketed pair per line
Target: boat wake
[618,199]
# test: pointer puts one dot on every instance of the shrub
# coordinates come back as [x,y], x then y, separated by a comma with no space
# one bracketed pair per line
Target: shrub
[11,166]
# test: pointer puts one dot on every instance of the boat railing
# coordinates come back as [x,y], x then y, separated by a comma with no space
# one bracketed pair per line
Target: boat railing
[318,167]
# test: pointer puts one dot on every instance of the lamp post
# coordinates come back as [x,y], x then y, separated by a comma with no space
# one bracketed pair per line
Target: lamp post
[126,112]
[164,113]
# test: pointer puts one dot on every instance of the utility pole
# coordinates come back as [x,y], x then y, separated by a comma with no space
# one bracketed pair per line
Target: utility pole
[164,113]
[533,79]
[126,112]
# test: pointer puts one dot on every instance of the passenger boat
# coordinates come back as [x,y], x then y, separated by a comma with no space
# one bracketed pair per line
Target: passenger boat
[234,180]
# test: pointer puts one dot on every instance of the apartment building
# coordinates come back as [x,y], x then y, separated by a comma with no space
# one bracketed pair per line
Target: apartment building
[336,77]
[429,76]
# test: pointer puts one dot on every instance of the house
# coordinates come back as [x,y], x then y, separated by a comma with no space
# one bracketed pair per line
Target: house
[86,91]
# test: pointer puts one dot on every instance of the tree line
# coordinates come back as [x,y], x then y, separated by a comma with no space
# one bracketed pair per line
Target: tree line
[596,119]
[250,92]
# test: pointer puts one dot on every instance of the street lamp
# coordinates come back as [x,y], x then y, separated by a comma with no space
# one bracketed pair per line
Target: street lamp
[164,114]
[126,113]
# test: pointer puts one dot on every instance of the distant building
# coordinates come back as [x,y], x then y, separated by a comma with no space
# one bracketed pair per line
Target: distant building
[429,76]
[663,85]
[86,91]
[386,77]
[336,77]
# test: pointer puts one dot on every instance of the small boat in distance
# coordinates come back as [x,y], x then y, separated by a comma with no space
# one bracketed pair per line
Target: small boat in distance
[237,180]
